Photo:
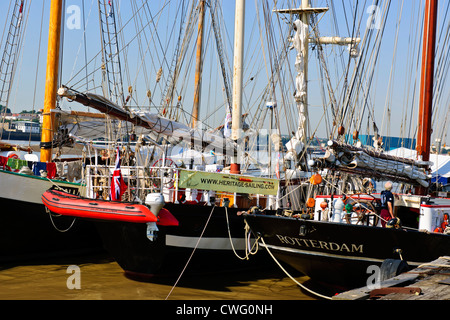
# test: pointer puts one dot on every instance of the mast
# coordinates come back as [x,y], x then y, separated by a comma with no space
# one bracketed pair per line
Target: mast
[300,42]
[301,96]
[427,83]
[51,79]
[236,120]
[199,65]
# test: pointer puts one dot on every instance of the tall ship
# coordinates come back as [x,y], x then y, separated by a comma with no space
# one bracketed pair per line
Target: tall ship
[186,175]
[341,238]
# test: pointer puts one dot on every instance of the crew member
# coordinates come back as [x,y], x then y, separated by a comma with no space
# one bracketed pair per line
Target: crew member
[387,204]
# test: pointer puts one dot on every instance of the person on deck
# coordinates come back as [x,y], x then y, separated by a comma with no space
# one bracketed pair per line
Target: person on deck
[387,204]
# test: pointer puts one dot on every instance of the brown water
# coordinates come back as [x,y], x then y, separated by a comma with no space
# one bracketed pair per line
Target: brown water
[101,278]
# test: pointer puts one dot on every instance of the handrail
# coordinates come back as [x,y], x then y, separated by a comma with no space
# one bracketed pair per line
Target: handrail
[142,180]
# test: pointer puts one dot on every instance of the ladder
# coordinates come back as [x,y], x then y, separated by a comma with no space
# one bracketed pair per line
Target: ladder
[11,52]
[111,71]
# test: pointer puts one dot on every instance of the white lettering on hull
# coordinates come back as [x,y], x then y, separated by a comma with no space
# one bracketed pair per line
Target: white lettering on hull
[324,245]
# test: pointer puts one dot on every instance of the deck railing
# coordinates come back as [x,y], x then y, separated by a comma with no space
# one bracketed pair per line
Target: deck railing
[165,180]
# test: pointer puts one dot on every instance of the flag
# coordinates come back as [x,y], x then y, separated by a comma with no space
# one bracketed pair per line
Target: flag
[118,185]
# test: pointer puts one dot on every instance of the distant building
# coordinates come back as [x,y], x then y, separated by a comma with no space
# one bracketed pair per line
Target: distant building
[28,116]
[26,126]
[10,116]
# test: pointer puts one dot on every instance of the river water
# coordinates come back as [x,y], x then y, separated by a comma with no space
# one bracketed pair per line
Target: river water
[100,278]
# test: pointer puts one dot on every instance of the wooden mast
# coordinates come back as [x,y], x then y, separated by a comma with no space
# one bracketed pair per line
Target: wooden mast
[199,66]
[427,82]
[236,114]
[51,79]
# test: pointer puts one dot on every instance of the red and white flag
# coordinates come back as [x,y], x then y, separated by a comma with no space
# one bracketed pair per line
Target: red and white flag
[118,185]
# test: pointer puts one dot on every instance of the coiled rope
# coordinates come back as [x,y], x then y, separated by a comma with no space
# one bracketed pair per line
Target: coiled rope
[248,251]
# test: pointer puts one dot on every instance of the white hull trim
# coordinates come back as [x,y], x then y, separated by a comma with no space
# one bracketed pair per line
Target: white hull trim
[206,243]
[329,255]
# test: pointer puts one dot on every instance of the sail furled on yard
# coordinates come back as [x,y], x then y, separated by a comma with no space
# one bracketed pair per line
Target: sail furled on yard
[154,123]
[299,42]
[363,162]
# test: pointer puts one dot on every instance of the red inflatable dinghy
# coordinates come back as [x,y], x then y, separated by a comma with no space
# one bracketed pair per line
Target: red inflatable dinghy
[67,204]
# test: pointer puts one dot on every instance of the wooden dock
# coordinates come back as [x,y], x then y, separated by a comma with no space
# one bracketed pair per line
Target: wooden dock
[430,281]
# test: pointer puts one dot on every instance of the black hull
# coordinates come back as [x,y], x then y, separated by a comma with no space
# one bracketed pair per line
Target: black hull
[142,258]
[339,254]
[27,232]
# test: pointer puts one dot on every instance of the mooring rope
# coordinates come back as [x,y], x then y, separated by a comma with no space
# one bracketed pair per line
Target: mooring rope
[292,278]
[53,222]
[437,265]
[50,214]
[192,254]
[248,251]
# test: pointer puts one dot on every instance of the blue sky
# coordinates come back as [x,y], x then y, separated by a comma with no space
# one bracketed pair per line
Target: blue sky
[25,92]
